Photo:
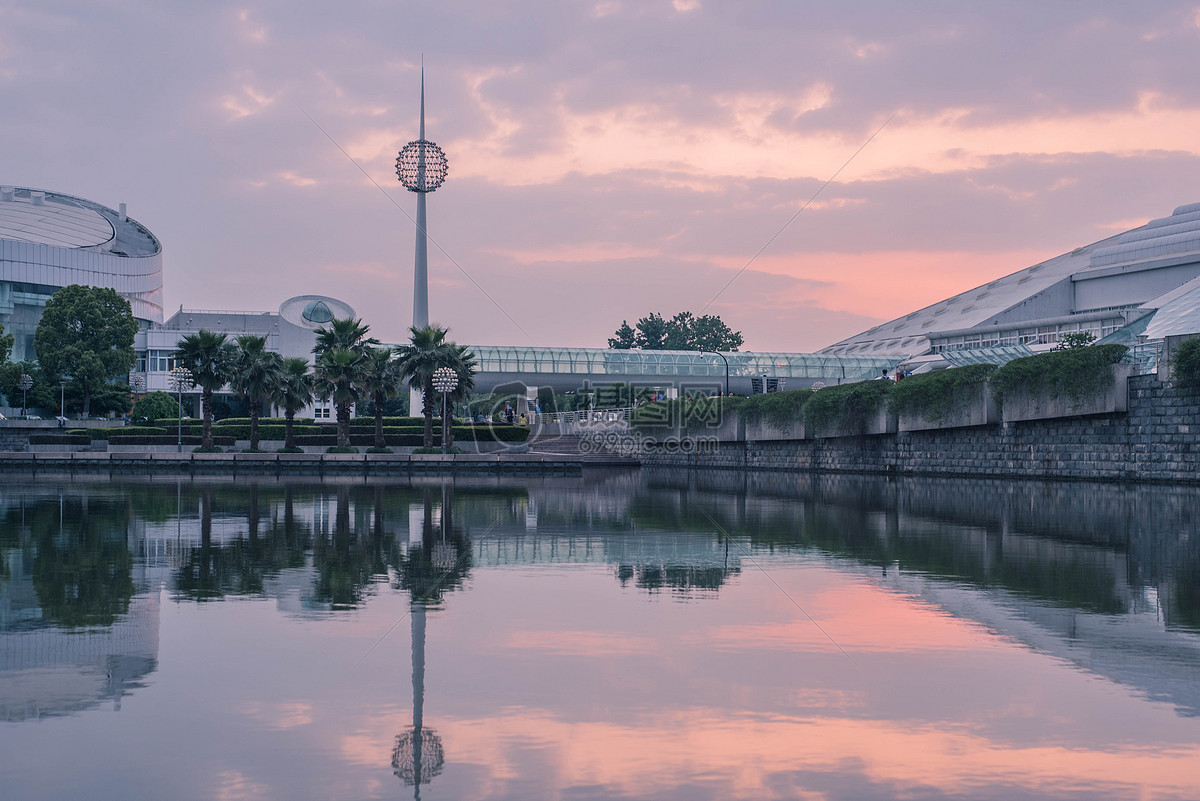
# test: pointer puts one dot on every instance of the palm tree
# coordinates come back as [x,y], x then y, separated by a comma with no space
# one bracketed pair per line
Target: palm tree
[344,332]
[257,373]
[347,337]
[426,352]
[294,392]
[210,359]
[337,375]
[380,381]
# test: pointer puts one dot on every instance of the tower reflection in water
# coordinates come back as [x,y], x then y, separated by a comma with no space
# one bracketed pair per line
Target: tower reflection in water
[427,572]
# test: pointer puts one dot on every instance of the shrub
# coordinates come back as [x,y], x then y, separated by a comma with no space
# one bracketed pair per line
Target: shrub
[212,449]
[169,439]
[1185,364]
[373,449]
[154,406]
[336,449]
[290,450]
[108,433]
[173,422]
[262,421]
[939,395]
[1075,373]
[847,406]
[779,408]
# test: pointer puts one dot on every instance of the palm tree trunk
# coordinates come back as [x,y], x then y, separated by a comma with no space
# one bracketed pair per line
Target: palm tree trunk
[427,411]
[206,400]
[255,409]
[379,399]
[343,425]
[289,439]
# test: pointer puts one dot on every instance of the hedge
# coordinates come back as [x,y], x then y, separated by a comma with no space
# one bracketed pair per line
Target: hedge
[939,395]
[779,408]
[59,439]
[508,434]
[245,421]
[848,406]
[106,433]
[1185,364]
[1075,373]
[170,439]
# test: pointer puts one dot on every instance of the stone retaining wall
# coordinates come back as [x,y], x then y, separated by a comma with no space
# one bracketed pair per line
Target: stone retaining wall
[1157,439]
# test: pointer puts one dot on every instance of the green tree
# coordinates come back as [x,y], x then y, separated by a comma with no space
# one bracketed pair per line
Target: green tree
[652,332]
[86,333]
[156,406]
[380,380]
[6,345]
[684,331]
[337,376]
[1075,340]
[624,338]
[295,392]
[256,376]
[210,358]
[426,351]
[709,332]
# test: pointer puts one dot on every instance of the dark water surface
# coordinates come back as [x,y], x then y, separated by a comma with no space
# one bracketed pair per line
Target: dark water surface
[621,635]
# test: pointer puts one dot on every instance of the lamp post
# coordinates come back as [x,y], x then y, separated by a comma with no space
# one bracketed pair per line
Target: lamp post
[62,398]
[24,384]
[181,379]
[722,355]
[137,385]
[445,381]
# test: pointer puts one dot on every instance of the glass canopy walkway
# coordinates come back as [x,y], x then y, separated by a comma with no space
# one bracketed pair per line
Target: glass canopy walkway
[635,365]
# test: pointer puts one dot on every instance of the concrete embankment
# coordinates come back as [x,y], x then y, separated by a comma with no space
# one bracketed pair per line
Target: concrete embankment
[1145,430]
[304,464]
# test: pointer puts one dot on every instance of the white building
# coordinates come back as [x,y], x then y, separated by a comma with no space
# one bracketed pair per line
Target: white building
[1135,288]
[49,240]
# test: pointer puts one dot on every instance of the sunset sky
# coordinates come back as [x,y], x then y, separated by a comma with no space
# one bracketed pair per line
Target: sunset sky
[611,158]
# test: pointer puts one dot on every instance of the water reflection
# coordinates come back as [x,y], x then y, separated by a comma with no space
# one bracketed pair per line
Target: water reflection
[637,627]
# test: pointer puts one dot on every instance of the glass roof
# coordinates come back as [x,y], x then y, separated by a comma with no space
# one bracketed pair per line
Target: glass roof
[641,363]
[1002,354]
[56,222]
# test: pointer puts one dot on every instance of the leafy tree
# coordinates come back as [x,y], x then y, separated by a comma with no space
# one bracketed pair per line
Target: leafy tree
[380,381]
[709,332]
[256,375]
[344,332]
[337,376]
[211,359]
[156,406]
[295,391]
[40,395]
[6,345]
[684,331]
[86,333]
[1075,340]
[652,332]
[624,338]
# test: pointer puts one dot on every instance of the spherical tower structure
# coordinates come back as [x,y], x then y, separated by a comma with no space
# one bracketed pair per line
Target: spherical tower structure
[421,167]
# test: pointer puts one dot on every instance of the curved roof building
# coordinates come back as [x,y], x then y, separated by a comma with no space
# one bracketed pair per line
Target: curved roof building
[49,240]
[1137,287]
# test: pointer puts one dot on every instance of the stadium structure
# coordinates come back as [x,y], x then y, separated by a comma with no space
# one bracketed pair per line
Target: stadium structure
[1135,288]
[49,240]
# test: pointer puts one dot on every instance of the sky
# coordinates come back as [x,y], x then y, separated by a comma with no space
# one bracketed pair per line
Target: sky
[608,158]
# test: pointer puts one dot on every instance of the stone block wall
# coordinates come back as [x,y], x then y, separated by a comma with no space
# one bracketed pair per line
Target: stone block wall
[1156,439]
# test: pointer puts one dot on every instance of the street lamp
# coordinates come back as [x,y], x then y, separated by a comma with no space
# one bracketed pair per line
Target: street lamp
[137,385]
[181,379]
[722,355]
[62,398]
[445,381]
[24,384]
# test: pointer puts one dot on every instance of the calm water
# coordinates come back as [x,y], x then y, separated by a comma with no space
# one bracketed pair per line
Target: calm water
[641,636]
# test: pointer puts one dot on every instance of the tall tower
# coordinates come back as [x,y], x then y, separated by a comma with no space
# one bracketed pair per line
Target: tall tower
[422,168]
